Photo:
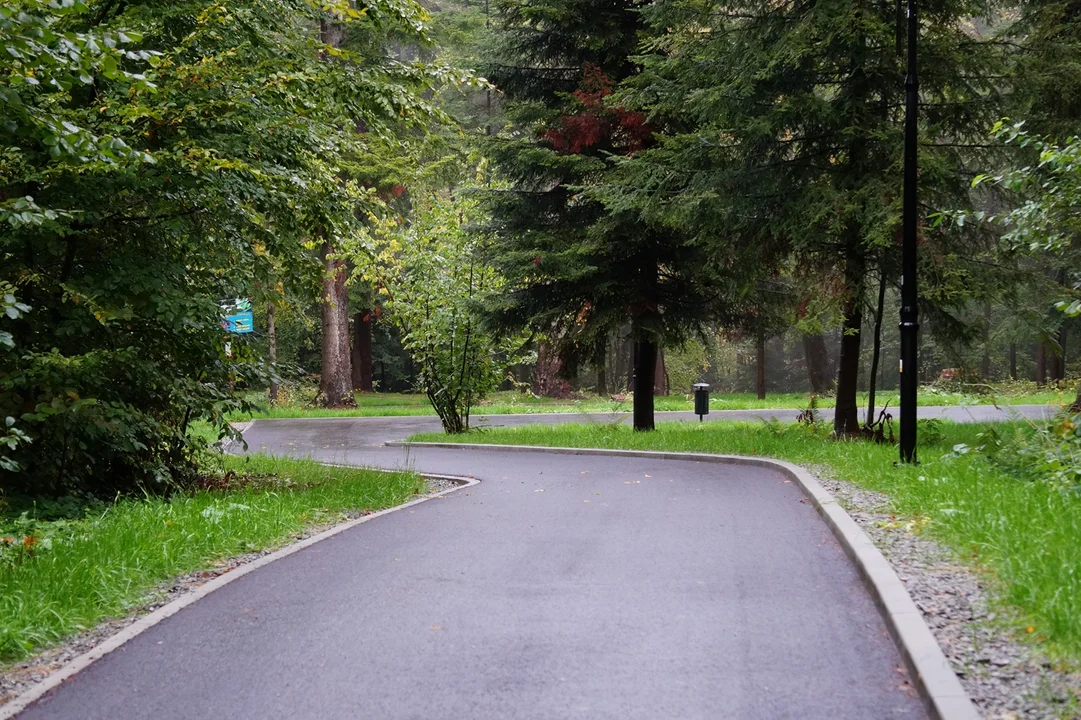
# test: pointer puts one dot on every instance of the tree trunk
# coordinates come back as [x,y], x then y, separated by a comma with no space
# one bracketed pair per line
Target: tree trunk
[331,32]
[345,347]
[846,413]
[546,381]
[362,351]
[660,375]
[1060,356]
[818,363]
[1054,365]
[645,367]
[1013,361]
[272,350]
[599,360]
[1058,363]
[1041,364]
[985,365]
[876,351]
[760,364]
[335,383]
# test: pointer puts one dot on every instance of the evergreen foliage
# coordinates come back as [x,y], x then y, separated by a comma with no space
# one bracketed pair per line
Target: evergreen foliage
[1045,66]
[785,133]
[577,270]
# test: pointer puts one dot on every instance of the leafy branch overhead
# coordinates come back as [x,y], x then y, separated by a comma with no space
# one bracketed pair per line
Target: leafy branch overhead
[157,159]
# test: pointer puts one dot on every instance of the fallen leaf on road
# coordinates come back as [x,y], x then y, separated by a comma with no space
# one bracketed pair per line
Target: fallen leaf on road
[436,627]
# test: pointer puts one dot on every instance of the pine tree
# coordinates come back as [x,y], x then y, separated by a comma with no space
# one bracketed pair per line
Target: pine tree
[572,263]
[1046,96]
[1046,67]
[787,133]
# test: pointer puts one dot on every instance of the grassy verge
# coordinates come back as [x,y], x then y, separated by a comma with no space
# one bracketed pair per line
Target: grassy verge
[1024,533]
[299,405]
[70,575]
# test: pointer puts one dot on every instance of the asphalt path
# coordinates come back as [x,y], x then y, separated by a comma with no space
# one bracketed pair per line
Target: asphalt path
[559,587]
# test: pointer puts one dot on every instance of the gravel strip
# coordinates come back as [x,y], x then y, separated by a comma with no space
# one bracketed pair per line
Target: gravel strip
[439,484]
[19,677]
[1006,678]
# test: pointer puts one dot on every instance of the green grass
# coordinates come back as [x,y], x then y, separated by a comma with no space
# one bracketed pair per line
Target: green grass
[1025,535]
[83,571]
[299,405]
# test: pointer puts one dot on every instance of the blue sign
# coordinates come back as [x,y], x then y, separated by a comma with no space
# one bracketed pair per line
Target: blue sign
[240,323]
[238,316]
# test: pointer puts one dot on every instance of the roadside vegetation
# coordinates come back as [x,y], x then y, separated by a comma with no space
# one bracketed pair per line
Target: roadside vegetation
[68,564]
[300,401]
[203,202]
[1005,497]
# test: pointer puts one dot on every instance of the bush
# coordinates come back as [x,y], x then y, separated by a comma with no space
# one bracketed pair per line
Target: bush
[106,421]
[1049,452]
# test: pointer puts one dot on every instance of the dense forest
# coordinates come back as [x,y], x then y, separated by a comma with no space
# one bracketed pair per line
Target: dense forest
[554,196]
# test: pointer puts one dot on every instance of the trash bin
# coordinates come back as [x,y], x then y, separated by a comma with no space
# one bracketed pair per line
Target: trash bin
[701,400]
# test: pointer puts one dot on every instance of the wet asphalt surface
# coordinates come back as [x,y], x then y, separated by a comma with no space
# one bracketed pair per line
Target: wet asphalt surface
[559,587]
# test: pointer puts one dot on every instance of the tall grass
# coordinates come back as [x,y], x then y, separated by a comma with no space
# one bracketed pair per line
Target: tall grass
[79,573]
[1027,534]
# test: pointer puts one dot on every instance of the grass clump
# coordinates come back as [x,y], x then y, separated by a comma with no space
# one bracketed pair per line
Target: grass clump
[1024,530]
[62,576]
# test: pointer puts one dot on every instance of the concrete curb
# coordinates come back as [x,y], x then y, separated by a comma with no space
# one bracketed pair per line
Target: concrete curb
[939,687]
[21,702]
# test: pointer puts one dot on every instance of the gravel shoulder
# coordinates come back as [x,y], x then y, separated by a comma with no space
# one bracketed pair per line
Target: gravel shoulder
[1006,677]
[16,678]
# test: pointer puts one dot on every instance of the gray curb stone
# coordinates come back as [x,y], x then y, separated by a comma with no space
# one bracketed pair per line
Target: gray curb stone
[933,677]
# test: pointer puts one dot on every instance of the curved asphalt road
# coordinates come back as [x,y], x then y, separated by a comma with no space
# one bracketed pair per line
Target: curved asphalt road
[560,587]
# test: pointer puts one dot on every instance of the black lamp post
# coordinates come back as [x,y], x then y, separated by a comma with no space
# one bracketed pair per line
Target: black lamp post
[909,311]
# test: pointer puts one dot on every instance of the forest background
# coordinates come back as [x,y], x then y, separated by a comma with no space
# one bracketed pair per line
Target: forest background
[562,198]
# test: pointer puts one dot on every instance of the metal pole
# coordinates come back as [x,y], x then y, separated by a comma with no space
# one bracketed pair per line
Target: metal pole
[909,311]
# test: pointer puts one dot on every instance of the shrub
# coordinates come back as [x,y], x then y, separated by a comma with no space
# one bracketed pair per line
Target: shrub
[1048,452]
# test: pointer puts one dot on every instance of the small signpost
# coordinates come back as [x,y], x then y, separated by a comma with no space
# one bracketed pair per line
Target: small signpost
[238,316]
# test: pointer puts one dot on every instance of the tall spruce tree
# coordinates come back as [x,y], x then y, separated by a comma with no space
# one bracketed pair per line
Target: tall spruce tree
[573,264]
[1045,94]
[791,138]
[1045,66]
